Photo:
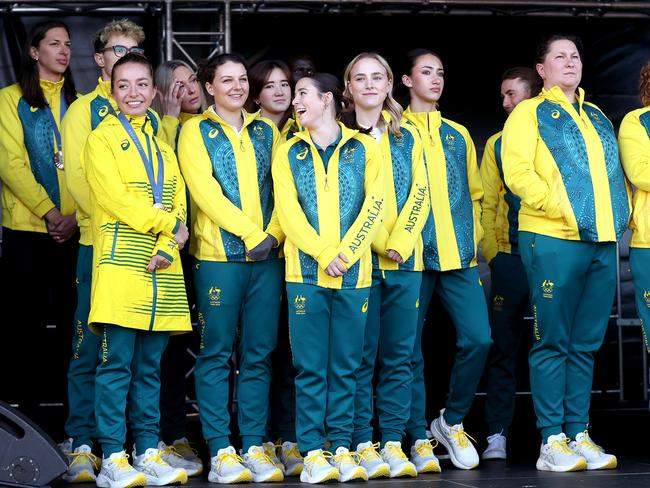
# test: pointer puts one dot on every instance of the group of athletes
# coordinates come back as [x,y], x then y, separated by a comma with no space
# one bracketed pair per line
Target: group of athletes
[238,186]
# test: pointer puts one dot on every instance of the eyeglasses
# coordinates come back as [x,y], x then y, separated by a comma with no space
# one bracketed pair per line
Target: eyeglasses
[120,51]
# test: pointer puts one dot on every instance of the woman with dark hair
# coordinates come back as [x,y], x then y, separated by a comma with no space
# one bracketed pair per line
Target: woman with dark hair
[561,158]
[634,143]
[451,236]
[138,294]
[270,93]
[397,265]
[329,190]
[225,155]
[39,235]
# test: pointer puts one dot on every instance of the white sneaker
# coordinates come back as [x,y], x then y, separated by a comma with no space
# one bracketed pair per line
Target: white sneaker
[423,458]
[348,467]
[173,457]
[82,466]
[595,455]
[116,472]
[316,468]
[66,446]
[228,467]
[158,471]
[270,449]
[461,451]
[183,448]
[291,459]
[397,461]
[556,455]
[261,465]
[496,448]
[371,461]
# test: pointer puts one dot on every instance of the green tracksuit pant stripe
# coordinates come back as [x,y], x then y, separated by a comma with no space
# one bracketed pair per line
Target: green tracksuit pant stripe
[231,295]
[326,327]
[461,293]
[389,338]
[129,369]
[640,264]
[572,286]
[80,424]
[506,307]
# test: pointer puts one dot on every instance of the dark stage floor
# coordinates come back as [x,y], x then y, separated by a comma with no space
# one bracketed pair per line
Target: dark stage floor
[632,473]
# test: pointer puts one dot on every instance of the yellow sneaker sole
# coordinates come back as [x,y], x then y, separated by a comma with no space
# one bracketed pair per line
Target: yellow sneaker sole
[82,477]
[430,467]
[382,472]
[409,471]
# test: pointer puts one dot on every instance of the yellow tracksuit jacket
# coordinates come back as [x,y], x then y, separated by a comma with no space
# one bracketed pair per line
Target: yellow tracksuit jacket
[83,116]
[229,177]
[565,167]
[31,184]
[500,205]
[634,145]
[453,229]
[407,200]
[128,231]
[327,212]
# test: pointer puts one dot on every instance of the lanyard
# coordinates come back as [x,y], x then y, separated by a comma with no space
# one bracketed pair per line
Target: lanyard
[58,155]
[156,186]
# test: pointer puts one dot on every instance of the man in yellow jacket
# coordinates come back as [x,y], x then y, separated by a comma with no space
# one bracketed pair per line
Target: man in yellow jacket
[509,287]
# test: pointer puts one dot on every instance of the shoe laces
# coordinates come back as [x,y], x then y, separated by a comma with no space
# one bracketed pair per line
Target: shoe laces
[292,453]
[425,448]
[587,443]
[230,459]
[349,457]
[261,457]
[171,451]
[271,449]
[184,449]
[397,452]
[320,459]
[122,462]
[460,437]
[369,453]
[562,446]
[155,459]
[80,457]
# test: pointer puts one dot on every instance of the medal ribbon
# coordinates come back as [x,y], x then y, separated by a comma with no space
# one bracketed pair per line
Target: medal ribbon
[55,128]
[147,160]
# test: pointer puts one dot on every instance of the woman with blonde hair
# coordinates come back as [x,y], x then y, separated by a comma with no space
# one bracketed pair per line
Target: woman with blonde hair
[397,266]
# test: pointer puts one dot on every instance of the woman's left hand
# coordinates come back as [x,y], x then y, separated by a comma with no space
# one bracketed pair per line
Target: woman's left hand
[395,256]
[173,98]
[157,262]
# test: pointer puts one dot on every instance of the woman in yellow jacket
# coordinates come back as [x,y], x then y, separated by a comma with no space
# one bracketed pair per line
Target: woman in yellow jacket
[397,267]
[138,294]
[329,190]
[451,236]
[225,155]
[634,144]
[560,157]
[39,229]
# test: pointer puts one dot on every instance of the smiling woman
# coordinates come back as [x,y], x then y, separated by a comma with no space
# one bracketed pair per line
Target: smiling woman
[138,218]
[225,155]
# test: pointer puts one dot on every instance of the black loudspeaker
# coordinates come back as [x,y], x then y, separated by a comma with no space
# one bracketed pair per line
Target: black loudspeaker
[28,456]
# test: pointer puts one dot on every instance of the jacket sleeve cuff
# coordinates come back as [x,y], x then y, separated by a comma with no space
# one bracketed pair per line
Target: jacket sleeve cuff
[254,239]
[44,207]
[163,254]
[327,256]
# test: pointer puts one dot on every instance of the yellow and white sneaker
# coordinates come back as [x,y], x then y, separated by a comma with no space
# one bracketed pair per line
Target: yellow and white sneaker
[82,466]
[371,461]
[184,448]
[173,457]
[556,455]
[317,469]
[158,471]
[291,459]
[423,458]
[461,451]
[595,455]
[116,472]
[397,461]
[228,467]
[270,449]
[261,465]
[347,464]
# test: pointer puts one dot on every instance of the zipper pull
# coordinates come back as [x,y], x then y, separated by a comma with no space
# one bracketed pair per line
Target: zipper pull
[241,143]
[327,188]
